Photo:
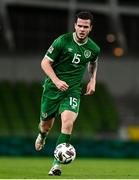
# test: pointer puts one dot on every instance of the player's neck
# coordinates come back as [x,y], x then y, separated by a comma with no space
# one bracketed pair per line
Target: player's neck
[78,41]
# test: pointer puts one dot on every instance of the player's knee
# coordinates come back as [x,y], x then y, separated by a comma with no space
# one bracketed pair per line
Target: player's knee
[45,126]
[67,124]
[68,120]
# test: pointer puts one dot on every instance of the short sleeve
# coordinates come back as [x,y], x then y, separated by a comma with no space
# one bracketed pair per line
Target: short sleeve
[95,53]
[54,50]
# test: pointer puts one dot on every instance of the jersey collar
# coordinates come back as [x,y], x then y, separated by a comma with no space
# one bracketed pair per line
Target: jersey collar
[74,38]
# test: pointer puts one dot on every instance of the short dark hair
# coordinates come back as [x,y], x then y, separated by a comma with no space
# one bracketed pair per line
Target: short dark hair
[84,15]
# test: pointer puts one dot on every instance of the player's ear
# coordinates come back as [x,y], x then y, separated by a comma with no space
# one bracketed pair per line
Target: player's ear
[91,27]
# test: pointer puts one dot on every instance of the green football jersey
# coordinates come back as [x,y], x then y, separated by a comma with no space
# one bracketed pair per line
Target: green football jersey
[70,58]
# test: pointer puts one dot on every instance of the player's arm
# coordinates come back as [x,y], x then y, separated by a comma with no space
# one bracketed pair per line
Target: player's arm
[92,69]
[47,68]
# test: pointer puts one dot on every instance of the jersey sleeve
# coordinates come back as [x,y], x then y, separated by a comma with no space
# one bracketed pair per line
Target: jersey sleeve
[95,50]
[54,50]
[96,53]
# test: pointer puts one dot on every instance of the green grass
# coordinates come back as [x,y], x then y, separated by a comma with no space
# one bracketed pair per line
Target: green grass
[37,168]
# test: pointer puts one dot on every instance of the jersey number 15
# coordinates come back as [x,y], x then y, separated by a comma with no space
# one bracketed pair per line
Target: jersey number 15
[76,58]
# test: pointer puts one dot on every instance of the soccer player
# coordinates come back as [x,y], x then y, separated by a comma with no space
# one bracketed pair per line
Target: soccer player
[64,64]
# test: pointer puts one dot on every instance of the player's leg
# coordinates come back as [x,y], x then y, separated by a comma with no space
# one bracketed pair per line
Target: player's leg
[69,109]
[49,107]
[67,121]
[44,128]
[68,118]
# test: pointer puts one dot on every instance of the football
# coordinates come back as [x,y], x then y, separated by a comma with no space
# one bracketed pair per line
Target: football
[65,153]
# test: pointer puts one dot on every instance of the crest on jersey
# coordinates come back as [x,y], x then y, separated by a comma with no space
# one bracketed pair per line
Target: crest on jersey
[87,53]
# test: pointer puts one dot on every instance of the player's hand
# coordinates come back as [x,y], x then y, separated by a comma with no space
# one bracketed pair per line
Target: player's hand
[61,85]
[90,89]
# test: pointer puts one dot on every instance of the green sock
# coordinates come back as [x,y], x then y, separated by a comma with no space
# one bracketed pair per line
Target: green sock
[63,138]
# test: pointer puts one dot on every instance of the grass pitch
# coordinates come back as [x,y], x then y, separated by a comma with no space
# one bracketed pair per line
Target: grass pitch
[81,168]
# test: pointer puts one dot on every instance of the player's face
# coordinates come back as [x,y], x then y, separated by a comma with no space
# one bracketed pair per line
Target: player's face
[82,28]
